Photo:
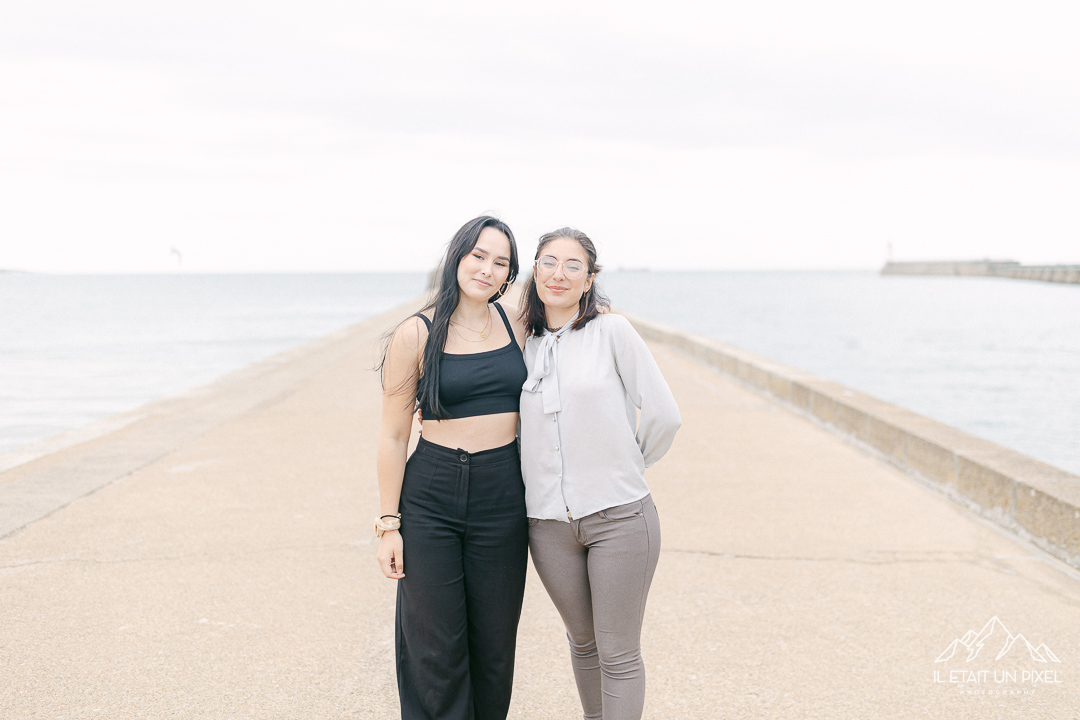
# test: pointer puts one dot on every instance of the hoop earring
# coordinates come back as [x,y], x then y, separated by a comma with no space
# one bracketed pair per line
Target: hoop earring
[505,286]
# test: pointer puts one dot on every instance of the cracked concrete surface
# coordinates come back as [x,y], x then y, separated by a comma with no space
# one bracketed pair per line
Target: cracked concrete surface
[232,575]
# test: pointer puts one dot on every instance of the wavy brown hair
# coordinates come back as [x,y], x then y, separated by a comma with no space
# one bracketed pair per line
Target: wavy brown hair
[532,308]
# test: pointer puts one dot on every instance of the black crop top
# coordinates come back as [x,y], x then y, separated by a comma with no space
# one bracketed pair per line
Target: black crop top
[483,383]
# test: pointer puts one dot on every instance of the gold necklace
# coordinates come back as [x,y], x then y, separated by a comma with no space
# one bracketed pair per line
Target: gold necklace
[482,333]
[458,333]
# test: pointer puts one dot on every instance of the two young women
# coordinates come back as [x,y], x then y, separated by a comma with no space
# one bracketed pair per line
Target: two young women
[466,506]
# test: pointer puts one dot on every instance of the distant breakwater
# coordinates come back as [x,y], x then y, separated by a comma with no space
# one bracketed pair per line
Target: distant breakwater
[986,268]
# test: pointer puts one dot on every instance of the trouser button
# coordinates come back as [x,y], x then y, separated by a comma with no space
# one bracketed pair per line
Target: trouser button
[464,457]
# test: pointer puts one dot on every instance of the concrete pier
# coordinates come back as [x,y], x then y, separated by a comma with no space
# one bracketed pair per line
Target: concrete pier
[986,268]
[213,559]
[1037,501]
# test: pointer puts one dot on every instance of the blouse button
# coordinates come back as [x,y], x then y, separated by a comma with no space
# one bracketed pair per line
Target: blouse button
[556,447]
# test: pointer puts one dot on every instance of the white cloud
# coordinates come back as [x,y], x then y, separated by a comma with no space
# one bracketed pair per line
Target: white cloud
[358,136]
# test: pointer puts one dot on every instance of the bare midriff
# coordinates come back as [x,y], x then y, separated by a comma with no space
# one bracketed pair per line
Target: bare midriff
[473,434]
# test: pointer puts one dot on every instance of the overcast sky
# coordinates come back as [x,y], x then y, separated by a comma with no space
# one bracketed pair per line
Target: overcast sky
[354,136]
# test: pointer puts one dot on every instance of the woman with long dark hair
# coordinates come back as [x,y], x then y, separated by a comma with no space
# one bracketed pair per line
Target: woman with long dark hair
[457,505]
[594,533]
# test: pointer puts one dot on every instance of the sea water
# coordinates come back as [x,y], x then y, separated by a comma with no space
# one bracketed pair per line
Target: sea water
[999,358]
[77,348]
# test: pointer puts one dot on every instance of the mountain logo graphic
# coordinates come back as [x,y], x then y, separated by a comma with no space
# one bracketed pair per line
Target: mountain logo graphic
[992,633]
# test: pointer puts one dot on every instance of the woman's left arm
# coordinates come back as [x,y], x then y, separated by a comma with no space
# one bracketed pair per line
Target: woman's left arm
[647,388]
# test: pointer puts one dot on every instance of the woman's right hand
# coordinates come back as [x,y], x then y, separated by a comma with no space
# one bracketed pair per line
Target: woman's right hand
[391,555]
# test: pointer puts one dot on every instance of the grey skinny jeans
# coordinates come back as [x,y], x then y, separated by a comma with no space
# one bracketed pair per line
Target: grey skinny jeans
[598,570]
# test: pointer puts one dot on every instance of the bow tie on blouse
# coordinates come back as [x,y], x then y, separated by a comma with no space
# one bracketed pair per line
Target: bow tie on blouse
[542,377]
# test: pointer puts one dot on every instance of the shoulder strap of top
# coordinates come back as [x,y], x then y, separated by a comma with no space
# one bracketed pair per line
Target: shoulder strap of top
[424,318]
[506,322]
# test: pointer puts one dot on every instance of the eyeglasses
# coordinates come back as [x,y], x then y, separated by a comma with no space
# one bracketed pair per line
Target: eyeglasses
[572,269]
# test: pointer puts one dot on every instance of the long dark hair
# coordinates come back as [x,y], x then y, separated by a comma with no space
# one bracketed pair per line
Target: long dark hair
[444,301]
[532,308]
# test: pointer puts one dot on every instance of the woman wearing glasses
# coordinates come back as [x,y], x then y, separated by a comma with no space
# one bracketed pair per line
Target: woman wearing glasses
[458,504]
[593,529]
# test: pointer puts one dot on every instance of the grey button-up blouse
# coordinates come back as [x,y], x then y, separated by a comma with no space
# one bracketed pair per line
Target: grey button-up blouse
[592,452]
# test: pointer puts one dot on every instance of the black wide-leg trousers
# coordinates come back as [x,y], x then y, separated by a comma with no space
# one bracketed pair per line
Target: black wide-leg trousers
[465,546]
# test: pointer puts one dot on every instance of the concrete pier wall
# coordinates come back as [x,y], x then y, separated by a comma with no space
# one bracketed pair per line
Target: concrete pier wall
[986,268]
[1039,501]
